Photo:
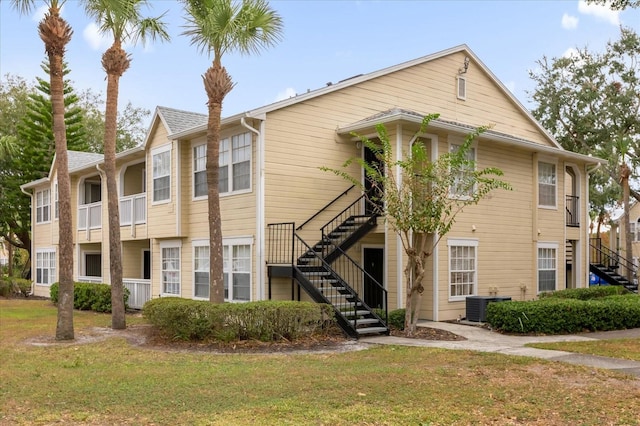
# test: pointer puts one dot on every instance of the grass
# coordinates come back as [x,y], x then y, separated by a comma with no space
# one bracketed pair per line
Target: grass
[616,348]
[112,382]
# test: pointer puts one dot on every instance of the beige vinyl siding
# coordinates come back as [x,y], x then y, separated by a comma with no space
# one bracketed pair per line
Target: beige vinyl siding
[161,217]
[132,255]
[133,176]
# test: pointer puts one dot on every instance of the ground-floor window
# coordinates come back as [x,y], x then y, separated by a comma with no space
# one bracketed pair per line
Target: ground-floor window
[201,270]
[462,268]
[170,252]
[93,264]
[237,269]
[547,269]
[45,266]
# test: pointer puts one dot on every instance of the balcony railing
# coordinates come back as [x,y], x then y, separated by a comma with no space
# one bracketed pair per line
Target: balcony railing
[573,210]
[139,289]
[133,209]
[90,216]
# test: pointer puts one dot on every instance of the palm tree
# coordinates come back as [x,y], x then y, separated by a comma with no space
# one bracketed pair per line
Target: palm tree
[217,27]
[122,20]
[56,33]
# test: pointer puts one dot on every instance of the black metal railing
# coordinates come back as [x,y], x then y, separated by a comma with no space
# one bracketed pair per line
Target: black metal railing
[330,231]
[572,207]
[281,243]
[329,204]
[602,255]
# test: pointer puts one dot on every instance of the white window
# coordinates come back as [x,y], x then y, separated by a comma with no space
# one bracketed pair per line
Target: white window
[463,185]
[546,184]
[201,270]
[161,163]
[463,268]
[170,267]
[547,271]
[56,209]
[235,163]
[43,206]
[462,88]
[199,171]
[45,266]
[237,270]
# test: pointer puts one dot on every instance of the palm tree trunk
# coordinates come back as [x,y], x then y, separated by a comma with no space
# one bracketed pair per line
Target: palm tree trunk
[217,83]
[625,173]
[56,33]
[118,321]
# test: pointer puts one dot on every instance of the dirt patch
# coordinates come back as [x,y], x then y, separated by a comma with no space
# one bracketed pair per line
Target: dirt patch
[146,336]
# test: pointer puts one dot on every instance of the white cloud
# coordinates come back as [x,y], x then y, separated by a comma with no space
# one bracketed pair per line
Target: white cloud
[570,53]
[569,22]
[93,37]
[603,13]
[287,93]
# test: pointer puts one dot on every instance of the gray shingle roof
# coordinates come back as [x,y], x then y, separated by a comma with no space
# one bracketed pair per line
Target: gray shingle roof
[178,120]
[79,159]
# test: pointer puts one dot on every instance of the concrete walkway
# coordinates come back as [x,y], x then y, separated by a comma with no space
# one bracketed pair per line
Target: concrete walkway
[484,340]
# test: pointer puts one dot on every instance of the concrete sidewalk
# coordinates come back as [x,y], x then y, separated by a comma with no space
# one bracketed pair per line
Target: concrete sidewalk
[484,340]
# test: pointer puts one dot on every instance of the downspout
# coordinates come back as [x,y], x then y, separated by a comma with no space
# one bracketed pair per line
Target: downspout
[177,204]
[32,257]
[260,215]
[108,239]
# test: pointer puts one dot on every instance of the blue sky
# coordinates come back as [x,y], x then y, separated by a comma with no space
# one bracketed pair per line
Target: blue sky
[324,41]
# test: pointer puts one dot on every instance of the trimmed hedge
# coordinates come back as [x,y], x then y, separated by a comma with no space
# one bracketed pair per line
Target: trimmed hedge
[185,319]
[561,315]
[89,296]
[594,292]
[11,286]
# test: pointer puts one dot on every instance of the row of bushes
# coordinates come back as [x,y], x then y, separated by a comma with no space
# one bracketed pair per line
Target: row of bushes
[184,319]
[568,311]
[14,286]
[89,297]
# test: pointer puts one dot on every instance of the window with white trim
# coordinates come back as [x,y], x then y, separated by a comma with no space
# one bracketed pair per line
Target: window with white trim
[45,266]
[56,208]
[201,270]
[161,165]
[170,268]
[463,186]
[463,268]
[547,267]
[546,184]
[43,206]
[237,271]
[235,163]
[200,171]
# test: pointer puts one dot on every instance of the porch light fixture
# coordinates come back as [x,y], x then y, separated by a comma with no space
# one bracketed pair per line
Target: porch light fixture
[465,66]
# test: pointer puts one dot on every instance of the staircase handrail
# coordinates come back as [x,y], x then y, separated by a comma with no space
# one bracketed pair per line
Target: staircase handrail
[612,255]
[342,194]
[336,218]
[380,286]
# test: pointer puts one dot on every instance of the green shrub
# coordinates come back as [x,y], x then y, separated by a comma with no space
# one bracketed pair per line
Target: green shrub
[396,318]
[22,286]
[5,287]
[594,292]
[559,315]
[185,319]
[89,296]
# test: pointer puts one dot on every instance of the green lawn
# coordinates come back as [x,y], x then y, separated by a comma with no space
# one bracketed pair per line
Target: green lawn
[112,382]
[617,348]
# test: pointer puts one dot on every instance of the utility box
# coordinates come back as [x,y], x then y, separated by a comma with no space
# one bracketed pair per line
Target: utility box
[477,306]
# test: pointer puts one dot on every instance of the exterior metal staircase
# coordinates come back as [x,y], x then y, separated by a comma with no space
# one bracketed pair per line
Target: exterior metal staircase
[610,266]
[327,273]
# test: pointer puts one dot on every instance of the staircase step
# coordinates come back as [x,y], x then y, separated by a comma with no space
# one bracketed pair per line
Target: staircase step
[372,330]
[365,321]
[325,289]
[357,313]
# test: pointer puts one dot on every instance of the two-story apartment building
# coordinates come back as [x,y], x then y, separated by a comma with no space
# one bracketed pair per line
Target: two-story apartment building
[275,199]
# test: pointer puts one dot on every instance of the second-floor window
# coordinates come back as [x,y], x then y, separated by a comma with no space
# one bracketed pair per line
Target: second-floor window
[43,206]
[546,184]
[235,163]
[161,162]
[199,171]
[56,203]
[462,186]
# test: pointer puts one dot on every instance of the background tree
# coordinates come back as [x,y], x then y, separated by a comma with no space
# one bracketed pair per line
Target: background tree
[616,4]
[123,21]
[589,101]
[217,27]
[422,206]
[56,33]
